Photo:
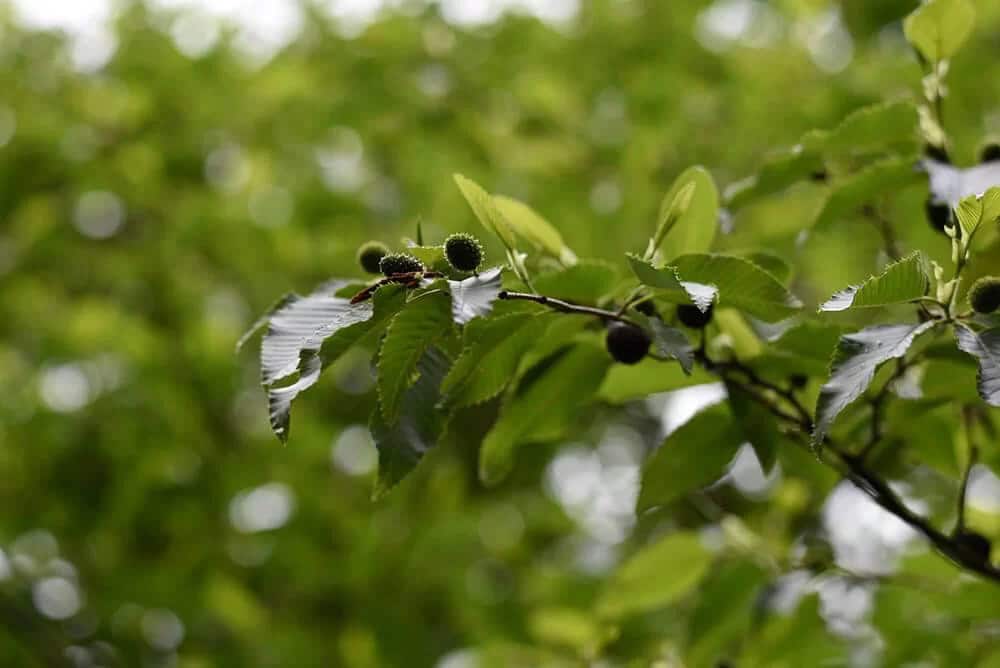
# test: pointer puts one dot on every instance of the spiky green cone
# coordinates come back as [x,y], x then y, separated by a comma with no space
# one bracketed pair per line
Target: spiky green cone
[464,252]
[984,295]
[399,263]
[370,256]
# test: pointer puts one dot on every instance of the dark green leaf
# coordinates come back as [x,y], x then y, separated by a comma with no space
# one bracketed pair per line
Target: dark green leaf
[984,346]
[667,280]
[741,284]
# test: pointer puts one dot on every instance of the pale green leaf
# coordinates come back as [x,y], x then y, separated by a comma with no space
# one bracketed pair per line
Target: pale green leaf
[656,576]
[695,228]
[775,175]
[586,282]
[867,130]
[630,382]
[422,321]
[486,210]
[693,456]
[900,282]
[938,28]
[534,229]
[850,194]
[975,210]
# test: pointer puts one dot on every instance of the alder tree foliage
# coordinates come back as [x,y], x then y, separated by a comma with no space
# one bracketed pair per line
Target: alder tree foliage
[503,349]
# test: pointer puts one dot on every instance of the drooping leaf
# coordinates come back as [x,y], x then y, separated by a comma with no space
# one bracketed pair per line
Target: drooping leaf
[672,343]
[656,576]
[543,409]
[938,28]
[850,194]
[401,444]
[301,323]
[259,323]
[693,456]
[422,321]
[383,305]
[950,184]
[486,210]
[758,426]
[534,229]
[900,282]
[473,297]
[855,361]
[741,284]
[694,230]
[976,210]
[586,282]
[985,347]
[492,351]
[667,280]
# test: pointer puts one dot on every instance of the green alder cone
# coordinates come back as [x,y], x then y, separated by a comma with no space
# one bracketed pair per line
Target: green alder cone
[399,263]
[464,252]
[984,295]
[370,256]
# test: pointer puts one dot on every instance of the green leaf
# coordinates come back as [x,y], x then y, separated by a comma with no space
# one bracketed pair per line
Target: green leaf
[534,229]
[741,284]
[586,282]
[432,257]
[776,175]
[543,409]
[975,210]
[626,382]
[938,28]
[667,280]
[403,443]
[857,358]
[850,194]
[693,456]
[804,349]
[723,614]
[757,425]
[773,264]
[486,210]
[869,129]
[984,346]
[422,321]
[900,282]
[693,230]
[473,297]
[493,349]
[656,576]
[798,638]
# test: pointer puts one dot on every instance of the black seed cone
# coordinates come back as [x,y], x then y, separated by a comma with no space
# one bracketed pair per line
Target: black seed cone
[370,254]
[399,263]
[984,295]
[463,251]
[974,543]
[693,317]
[627,344]
[938,214]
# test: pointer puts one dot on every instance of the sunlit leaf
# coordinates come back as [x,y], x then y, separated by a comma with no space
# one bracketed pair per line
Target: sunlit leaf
[938,28]
[486,210]
[668,282]
[473,297]
[529,225]
[695,227]
[900,282]
[741,284]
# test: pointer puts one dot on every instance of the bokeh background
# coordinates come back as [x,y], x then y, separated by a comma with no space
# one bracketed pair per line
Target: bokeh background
[170,168]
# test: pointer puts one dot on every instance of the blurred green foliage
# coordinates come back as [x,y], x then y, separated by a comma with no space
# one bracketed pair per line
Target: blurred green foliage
[150,209]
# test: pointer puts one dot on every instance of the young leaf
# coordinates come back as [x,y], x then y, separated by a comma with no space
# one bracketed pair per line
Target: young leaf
[668,281]
[938,28]
[486,210]
[741,284]
[857,358]
[656,576]
[695,227]
[975,210]
[901,282]
[492,351]
[474,296]
[401,445]
[984,346]
[776,175]
[693,456]
[413,330]
[383,305]
[544,408]
[869,129]
[531,227]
